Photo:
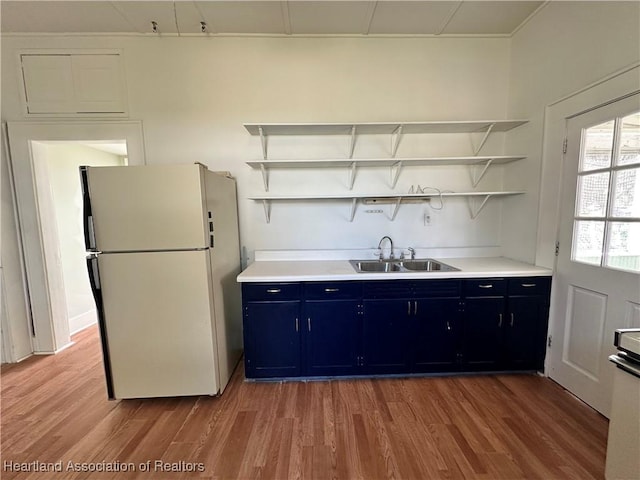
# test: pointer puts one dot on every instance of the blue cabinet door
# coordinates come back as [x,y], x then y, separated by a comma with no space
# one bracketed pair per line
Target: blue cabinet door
[331,330]
[435,335]
[272,339]
[386,335]
[522,332]
[484,318]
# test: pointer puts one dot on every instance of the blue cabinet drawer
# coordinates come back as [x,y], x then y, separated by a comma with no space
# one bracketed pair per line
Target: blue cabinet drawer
[530,286]
[485,287]
[387,289]
[271,291]
[436,288]
[333,290]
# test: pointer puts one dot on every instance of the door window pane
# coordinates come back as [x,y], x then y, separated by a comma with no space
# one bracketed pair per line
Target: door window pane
[629,152]
[592,194]
[624,246]
[588,240]
[626,193]
[598,146]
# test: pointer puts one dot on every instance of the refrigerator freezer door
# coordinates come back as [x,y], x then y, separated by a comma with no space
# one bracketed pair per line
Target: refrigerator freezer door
[146,208]
[158,314]
[225,267]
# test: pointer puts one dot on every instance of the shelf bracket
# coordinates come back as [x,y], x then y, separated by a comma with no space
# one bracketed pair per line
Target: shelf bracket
[263,140]
[395,174]
[354,205]
[396,136]
[475,180]
[475,212]
[352,174]
[265,177]
[484,139]
[396,207]
[353,141]
[267,210]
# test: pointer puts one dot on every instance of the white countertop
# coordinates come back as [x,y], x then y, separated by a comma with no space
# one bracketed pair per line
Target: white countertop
[327,270]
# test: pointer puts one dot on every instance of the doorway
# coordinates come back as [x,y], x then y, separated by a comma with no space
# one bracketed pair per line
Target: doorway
[43,266]
[59,194]
[597,281]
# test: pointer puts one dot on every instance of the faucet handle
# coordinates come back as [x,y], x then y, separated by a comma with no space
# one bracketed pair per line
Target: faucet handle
[412,251]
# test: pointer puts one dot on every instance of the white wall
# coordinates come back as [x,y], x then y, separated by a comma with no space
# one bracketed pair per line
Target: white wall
[564,48]
[193,95]
[62,161]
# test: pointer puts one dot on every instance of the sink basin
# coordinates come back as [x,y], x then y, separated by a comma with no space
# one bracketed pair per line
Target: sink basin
[375,266]
[427,265]
[384,266]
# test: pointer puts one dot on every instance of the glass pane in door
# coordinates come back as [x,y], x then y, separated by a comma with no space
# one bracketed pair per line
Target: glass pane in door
[629,150]
[592,195]
[597,146]
[588,239]
[626,193]
[624,246]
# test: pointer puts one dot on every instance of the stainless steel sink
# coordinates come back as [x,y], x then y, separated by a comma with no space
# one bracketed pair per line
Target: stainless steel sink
[427,265]
[375,266]
[383,266]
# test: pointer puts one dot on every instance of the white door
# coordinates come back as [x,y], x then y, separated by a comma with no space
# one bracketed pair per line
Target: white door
[148,207]
[158,318]
[597,282]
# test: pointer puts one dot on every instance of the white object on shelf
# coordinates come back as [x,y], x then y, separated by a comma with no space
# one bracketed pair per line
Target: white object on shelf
[395,165]
[394,198]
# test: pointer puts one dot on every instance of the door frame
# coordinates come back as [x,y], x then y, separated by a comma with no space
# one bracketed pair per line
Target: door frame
[43,273]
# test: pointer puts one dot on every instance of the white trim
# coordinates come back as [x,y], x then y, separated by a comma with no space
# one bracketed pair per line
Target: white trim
[206,36]
[53,352]
[530,17]
[615,74]
[52,331]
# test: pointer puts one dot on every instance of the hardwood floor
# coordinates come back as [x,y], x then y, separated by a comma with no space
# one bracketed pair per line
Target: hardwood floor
[55,409]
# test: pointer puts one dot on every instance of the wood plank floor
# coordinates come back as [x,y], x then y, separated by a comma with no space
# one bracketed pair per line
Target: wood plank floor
[55,409]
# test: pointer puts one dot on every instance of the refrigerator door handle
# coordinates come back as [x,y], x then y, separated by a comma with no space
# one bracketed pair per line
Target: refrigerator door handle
[94,281]
[87,216]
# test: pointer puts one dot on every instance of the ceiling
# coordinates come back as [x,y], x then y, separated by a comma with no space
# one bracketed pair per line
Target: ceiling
[292,17]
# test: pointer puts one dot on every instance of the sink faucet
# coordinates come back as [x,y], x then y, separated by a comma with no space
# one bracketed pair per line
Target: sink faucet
[412,251]
[380,247]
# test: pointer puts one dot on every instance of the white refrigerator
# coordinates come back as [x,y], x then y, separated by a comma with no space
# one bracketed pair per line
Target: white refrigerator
[164,256]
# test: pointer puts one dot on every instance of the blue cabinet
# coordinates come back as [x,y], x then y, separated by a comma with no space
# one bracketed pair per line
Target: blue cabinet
[332,313]
[526,322]
[271,314]
[505,323]
[394,327]
[385,335]
[435,336]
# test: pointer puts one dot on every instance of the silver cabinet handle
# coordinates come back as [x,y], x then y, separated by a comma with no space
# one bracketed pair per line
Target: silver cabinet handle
[486,286]
[297,325]
[415,307]
[499,320]
[331,290]
[528,285]
[408,308]
[309,323]
[511,320]
[273,290]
